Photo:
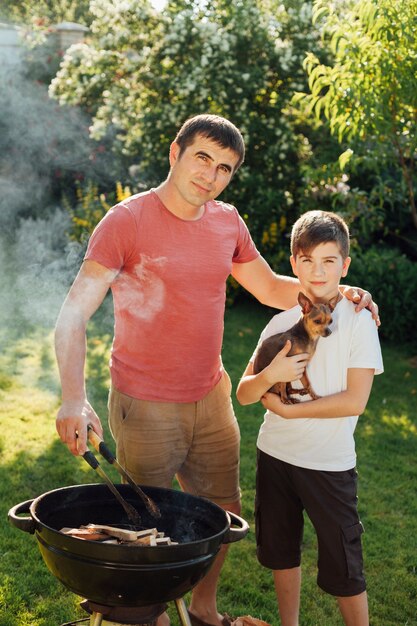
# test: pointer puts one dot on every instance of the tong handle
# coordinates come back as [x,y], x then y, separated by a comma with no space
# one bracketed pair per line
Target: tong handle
[99,445]
[91,459]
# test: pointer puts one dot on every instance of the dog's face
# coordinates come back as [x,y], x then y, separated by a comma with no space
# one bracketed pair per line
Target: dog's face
[317,317]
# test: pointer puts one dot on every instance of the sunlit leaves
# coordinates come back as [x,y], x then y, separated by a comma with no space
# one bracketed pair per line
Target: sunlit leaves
[141,74]
[369,92]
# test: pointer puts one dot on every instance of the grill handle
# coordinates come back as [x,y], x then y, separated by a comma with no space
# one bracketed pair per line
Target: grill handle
[27,524]
[235,534]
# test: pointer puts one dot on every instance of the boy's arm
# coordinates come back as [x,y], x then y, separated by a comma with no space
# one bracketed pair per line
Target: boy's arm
[282,368]
[351,401]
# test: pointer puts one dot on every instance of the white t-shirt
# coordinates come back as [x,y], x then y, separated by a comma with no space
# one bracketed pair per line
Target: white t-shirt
[318,443]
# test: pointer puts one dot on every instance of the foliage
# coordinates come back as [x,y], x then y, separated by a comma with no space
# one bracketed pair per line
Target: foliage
[43,13]
[392,279]
[369,95]
[38,268]
[44,150]
[143,73]
[90,207]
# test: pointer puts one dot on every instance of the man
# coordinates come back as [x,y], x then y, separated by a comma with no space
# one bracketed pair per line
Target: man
[166,255]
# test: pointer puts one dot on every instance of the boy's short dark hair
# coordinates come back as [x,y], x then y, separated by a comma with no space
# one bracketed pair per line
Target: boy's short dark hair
[213,127]
[316,227]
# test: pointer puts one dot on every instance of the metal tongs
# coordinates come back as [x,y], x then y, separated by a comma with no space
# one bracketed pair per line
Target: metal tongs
[99,445]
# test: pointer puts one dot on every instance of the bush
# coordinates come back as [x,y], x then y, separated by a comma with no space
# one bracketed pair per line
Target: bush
[42,265]
[392,280]
[140,74]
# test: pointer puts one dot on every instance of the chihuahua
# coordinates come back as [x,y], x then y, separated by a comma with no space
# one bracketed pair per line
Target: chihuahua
[304,335]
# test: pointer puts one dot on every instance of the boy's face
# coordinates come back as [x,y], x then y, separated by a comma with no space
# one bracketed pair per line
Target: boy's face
[320,271]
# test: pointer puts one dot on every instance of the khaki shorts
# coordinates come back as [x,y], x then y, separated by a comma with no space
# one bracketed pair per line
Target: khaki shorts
[197,442]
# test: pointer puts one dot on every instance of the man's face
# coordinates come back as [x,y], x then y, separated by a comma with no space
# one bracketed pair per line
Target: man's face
[202,171]
[320,271]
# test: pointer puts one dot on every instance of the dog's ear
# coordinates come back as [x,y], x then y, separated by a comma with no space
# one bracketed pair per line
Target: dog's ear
[332,303]
[305,303]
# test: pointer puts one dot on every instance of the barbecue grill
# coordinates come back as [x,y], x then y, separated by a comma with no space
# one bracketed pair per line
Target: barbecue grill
[127,584]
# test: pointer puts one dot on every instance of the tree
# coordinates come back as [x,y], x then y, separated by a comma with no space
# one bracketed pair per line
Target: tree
[369,92]
[142,73]
[42,13]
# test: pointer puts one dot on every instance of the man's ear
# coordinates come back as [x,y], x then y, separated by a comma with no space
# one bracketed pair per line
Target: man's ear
[293,265]
[346,264]
[174,151]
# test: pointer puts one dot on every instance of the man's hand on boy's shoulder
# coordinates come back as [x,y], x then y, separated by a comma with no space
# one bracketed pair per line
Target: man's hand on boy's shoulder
[363,299]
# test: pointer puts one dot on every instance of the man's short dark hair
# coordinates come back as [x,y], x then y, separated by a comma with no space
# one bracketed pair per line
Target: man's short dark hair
[213,127]
[316,227]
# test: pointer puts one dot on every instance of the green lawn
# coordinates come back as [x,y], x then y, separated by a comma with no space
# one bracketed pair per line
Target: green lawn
[33,461]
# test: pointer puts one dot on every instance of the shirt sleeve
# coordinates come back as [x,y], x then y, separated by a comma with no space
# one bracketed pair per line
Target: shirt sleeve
[113,240]
[245,250]
[365,348]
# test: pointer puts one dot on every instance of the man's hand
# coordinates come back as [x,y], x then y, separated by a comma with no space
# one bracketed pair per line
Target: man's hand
[363,299]
[71,423]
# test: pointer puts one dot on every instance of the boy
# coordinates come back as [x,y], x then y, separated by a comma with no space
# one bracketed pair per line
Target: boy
[306,451]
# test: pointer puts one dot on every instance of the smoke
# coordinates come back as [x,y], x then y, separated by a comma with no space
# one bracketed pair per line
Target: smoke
[144,294]
[40,143]
[44,147]
[37,270]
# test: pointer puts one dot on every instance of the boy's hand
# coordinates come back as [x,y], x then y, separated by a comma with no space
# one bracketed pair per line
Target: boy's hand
[272,402]
[285,368]
[364,300]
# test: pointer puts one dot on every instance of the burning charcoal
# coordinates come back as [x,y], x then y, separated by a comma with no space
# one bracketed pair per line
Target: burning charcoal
[163,541]
[84,533]
[149,540]
[116,535]
[113,531]
[147,532]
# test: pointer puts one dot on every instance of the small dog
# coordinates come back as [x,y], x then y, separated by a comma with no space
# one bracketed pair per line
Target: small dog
[304,335]
[248,620]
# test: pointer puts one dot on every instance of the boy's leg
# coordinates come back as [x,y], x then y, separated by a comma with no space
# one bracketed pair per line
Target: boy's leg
[330,500]
[354,609]
[288,586]
[279,531]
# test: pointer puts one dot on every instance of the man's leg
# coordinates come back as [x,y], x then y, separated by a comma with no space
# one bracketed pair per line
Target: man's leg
[211,470]
[354,609]
[152,441]
[288,586]
[203,600]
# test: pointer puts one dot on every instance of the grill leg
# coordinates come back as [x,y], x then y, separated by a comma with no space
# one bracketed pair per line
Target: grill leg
[182,612]
[96,619]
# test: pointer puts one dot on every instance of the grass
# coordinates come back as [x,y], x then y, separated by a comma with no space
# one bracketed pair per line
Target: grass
[33,461]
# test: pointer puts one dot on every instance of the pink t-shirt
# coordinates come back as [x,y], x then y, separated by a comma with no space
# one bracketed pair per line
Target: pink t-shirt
[169,296]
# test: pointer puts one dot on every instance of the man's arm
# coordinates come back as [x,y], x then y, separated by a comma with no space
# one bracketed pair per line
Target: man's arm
[351,401]
[281,292]
[269,288]
[84,298]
